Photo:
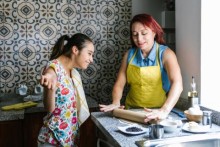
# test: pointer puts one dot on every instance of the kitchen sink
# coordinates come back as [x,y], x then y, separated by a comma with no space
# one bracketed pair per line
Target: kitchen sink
[197,140]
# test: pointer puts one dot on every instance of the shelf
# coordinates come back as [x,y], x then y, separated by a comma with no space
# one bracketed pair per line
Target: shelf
[168,19]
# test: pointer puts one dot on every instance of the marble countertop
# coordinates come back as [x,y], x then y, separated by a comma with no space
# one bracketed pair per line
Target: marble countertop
[108,125]
[10,99]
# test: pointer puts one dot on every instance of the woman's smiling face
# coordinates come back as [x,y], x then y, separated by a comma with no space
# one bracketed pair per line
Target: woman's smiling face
[142,36]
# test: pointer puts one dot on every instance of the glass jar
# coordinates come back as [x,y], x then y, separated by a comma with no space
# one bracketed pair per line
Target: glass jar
[207,118]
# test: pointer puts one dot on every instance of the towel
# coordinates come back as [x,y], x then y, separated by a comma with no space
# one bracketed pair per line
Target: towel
[82,106]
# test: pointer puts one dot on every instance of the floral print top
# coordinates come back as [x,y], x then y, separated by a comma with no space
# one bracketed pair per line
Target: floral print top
[61,126]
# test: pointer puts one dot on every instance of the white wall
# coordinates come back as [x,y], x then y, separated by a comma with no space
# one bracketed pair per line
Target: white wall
[188,26]
[210,52]
[152,7]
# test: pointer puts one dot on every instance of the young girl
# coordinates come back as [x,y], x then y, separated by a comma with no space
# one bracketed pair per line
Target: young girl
[64,98]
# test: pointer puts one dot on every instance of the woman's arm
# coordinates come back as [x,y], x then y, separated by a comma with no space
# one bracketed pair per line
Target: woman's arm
[174,74]
[118,87]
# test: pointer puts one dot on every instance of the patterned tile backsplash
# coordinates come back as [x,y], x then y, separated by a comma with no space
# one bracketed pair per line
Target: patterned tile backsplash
[29,28]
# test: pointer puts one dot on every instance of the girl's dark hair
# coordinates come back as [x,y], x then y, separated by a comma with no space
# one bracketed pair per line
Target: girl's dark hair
[61,48]
[149,21]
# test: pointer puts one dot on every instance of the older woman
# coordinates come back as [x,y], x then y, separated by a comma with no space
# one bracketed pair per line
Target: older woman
[151,70]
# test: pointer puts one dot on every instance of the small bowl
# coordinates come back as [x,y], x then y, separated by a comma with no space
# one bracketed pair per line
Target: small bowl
[170,126]
[38,89]
[193,117]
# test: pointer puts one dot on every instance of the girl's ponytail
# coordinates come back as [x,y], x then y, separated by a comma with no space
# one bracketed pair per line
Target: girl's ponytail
[58,48]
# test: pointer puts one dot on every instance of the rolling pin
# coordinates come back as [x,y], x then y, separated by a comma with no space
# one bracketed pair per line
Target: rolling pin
[130,115]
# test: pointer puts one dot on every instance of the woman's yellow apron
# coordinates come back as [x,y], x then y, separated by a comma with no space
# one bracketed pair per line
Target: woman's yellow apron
[146,88]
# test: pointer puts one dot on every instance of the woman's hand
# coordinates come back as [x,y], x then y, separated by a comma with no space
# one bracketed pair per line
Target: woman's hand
[157,114]
[111,107]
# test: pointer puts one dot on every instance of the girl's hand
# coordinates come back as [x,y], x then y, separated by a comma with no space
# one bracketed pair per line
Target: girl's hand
[49,79]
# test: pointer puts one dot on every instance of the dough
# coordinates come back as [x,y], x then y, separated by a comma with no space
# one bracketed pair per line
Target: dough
[193,126]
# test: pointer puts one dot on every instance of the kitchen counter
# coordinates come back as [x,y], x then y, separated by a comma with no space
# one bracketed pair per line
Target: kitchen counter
[108,124]
[10,99]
